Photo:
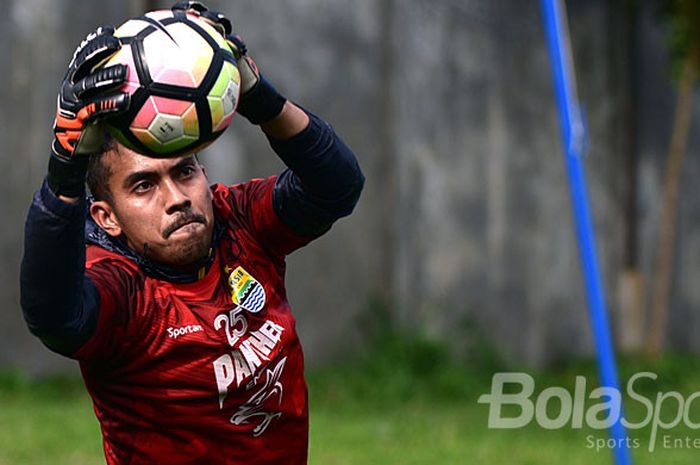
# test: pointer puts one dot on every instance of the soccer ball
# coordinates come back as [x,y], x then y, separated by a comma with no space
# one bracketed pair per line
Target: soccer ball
[183,82]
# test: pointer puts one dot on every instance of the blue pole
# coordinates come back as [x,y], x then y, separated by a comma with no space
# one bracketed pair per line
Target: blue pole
[573,137]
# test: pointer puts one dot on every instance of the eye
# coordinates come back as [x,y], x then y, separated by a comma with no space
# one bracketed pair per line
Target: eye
[142,186]
[187,171]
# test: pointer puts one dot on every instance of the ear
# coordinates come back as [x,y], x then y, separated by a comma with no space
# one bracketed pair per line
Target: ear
[104,216]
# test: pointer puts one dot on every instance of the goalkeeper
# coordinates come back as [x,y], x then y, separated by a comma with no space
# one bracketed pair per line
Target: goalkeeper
[170,292]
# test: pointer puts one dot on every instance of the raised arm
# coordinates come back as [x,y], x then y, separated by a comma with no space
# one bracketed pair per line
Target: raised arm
[324,180]
[60,305]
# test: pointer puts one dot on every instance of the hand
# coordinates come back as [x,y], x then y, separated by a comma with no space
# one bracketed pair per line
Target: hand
[84,96]
[260,102]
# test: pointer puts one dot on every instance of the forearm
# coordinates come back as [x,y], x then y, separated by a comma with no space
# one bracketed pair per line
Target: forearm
[290,122]
[59,304]
[324,181]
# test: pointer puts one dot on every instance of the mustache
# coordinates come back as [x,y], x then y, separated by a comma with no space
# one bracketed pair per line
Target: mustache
[188,216]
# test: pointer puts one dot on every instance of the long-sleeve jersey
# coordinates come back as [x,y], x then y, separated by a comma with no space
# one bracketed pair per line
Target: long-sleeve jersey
[192,369]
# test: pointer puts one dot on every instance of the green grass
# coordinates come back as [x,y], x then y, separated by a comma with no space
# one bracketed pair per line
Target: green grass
[48,421]
[407,402]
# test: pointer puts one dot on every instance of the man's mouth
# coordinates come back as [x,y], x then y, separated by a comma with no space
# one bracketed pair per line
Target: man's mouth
[184,220]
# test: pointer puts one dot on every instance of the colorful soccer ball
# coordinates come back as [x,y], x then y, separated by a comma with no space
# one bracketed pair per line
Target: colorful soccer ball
[183,81]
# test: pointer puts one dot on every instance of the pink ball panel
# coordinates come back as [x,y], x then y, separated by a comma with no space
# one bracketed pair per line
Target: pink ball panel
[170,106]
[145,115]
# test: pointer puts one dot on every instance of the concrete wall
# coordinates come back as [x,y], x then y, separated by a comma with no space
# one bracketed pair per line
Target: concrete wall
[465,222]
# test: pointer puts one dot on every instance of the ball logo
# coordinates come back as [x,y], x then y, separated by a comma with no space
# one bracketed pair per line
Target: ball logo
[166,128]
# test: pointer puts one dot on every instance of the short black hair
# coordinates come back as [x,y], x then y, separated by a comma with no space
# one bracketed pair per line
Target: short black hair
[99,172]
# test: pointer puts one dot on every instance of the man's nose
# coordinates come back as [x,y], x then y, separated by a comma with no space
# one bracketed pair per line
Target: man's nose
[175,198]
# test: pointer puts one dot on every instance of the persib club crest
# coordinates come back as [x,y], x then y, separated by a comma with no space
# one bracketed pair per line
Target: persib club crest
[246,291]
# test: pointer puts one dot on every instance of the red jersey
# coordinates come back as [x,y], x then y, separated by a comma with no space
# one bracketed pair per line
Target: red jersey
[209,372]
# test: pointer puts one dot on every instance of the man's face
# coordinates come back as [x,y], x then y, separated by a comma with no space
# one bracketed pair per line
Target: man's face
[161,207]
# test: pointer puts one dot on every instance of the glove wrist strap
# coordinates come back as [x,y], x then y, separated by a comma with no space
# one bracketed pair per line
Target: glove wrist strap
[67,177]
[261,103]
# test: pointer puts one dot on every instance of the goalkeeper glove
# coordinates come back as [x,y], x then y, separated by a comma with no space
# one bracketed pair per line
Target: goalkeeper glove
[85,97]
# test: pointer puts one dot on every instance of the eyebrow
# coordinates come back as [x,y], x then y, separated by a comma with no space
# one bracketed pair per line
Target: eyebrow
[189,160]
[138,176]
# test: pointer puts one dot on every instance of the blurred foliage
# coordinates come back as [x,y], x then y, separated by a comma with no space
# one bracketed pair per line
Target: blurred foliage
[394,364]
[683,20]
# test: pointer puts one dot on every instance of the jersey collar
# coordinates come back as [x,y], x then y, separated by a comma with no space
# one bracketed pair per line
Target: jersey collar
[96,235]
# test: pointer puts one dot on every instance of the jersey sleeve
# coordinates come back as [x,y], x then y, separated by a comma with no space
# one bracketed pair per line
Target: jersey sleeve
[323,180]
[249,205]
[117,326]
[59,305]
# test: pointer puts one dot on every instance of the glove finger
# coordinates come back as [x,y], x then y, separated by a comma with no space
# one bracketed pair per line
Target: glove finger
[108,105]
[199,7]
[105,29]
[239,47]
[250,74]
[219,21]
[101,80]
[96,50]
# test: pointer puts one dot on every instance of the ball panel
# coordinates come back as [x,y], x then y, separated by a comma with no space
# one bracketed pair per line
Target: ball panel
[223,96]
[229,98]
[130,28]
[213,33]
[145,115]
[216,107]
[224,122]
[160,14]
[190,122]
[222,81]
[181,59]
[166,128]
[176,77]
[187,38]
[125,56]
[156,147]
[171,106]
[146,138]
[200,66]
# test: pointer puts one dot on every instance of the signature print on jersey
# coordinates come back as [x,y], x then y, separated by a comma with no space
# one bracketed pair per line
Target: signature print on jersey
[254,406]
[246,291]
[251,356]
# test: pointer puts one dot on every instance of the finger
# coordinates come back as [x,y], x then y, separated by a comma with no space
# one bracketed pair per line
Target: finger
[108,105]
[238,46]
[105,29]
[250,75]
[198,7]
[94,52]
[102,30]
[219,21]
[101,80]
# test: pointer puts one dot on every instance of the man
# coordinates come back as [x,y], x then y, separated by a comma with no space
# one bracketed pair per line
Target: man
[176,309]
